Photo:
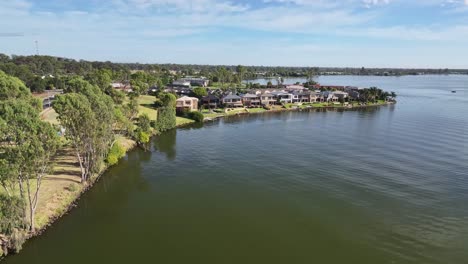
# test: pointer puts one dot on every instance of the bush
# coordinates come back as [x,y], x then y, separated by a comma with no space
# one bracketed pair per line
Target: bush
[144,123]
[197,116]
[17,239]
[12,214]
[141,136]
[166,118]
[115,153]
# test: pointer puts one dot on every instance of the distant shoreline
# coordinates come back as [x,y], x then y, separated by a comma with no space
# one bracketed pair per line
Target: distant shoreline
[283,109]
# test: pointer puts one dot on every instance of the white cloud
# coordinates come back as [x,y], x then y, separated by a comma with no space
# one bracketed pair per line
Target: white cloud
[199,6]
[148,30]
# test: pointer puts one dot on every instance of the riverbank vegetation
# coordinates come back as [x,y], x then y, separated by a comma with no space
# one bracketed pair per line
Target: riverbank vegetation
[48,159]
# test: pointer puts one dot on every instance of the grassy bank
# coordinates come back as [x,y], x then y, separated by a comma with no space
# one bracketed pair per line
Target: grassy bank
[61,189]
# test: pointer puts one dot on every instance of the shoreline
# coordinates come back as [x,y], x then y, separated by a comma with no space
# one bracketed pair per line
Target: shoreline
[131,144]
[223,115]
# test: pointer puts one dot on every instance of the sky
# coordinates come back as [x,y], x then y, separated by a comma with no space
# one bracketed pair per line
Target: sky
[345,33]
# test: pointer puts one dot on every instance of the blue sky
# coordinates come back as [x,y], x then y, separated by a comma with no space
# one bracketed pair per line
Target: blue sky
[351,33]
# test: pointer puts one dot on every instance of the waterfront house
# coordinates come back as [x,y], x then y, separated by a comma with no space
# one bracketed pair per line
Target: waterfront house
[329,96]
[283,97]
[341,95]
[267,99]
[307,97]
[186,103]
[232,100]
[250,100]
[295,96]
[211,101]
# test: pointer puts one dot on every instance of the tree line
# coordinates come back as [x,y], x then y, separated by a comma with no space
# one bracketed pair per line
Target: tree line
[36,71]
[92,116]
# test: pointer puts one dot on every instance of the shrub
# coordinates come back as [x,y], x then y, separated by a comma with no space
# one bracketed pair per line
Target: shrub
[115,153]
[166,118]
[17,239]
[141,136]
[197,116]
[12,214]
[144,123]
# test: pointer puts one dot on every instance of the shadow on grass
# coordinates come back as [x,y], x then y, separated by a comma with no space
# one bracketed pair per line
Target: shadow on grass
[66,173]
[70,179]
[149,106]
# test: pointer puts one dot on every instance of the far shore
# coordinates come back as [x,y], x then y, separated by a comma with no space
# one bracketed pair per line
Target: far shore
[278,108]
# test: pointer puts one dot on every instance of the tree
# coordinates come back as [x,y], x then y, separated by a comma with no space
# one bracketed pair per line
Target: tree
[240,72]
[166,118]
[199,92]
[102,78]
[27,147]
[139,87]
[13,88]
[123,125]
[144,123]
[79,120]
[312,73]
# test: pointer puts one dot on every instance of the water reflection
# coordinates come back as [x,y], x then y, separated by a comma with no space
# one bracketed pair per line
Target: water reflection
[165,143]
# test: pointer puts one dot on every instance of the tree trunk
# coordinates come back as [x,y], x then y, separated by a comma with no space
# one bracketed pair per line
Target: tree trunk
[83,176]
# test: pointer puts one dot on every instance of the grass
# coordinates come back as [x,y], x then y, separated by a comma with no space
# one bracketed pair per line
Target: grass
[151,112]
[180,121]
[62,187]
[50,116]
[146,100]
[256,110]
[213,115]
[319,104]
[236,111]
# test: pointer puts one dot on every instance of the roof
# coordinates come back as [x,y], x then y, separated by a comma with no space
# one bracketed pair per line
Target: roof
[250,96]
[187,98]
[232,96]
[210,97]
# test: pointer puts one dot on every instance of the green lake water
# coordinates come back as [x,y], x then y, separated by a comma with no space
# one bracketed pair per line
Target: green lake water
[379,185]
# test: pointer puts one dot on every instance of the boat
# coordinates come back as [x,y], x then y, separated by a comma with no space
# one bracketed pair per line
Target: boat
[454,91]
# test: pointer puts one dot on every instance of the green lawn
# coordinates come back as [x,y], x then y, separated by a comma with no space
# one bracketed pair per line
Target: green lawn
[256,110]
[146,100]
[180,121]
[236,111]
[213,115]
[151,112]
[320,104]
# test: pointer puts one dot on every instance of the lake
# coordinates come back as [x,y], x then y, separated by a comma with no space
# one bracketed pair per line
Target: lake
[377,185]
